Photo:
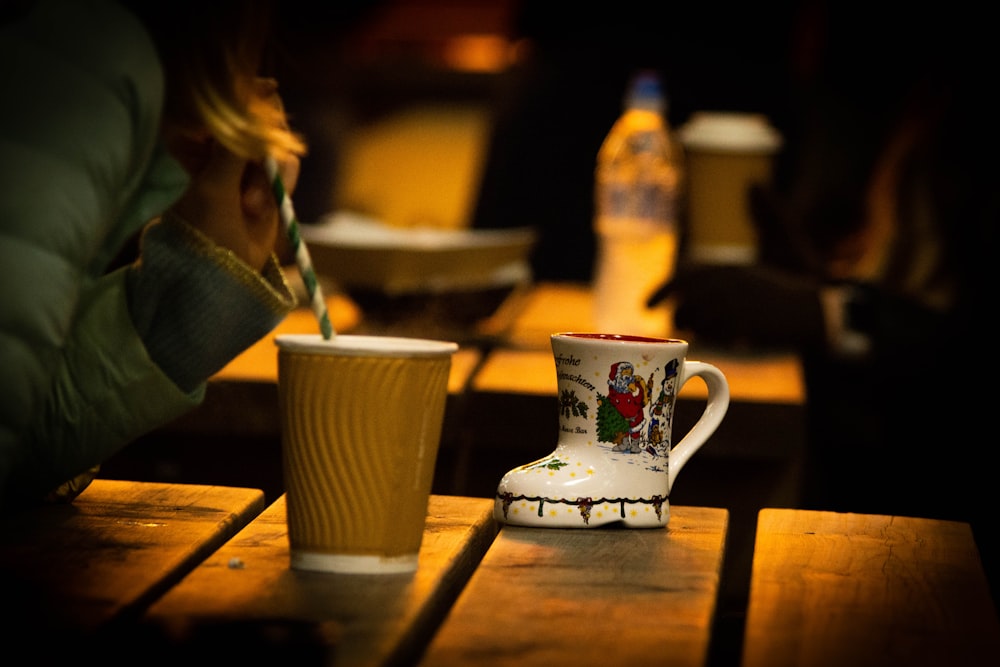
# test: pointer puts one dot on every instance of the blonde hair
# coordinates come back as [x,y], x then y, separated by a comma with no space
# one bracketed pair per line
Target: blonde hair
[212,53]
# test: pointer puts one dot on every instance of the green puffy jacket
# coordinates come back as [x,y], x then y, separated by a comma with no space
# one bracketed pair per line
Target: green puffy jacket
[92,358]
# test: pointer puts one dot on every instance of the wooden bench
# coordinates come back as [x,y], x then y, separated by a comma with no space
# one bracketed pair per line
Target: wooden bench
[855,589]
[545,596]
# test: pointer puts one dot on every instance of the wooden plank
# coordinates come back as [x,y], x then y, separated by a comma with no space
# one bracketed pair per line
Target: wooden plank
[590,597]
[754,378]
[855,589]
[356,620]
[259,362]
[78,567]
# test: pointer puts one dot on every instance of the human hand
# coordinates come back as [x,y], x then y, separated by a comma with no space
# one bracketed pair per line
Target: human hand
[230,201]
[745,305]
[230,198]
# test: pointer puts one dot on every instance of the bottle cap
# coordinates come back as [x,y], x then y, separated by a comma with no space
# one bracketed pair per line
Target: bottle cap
[646,92]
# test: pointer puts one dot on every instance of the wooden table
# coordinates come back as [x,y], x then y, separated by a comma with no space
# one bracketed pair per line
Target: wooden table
[138,572]
[856,589]
[599,597]
[77,569]
[336,619]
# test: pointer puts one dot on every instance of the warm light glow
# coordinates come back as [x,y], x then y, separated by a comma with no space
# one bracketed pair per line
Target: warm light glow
[478,53]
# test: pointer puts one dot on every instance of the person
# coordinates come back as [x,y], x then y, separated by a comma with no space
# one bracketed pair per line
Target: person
[120,119]
[876,242]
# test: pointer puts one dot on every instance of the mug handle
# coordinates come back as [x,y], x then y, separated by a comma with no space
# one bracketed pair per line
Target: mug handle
[715,410]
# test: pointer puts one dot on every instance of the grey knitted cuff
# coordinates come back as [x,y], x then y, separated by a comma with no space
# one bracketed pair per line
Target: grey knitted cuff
[196,305]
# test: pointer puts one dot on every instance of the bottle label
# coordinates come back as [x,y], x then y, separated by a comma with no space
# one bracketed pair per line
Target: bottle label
[648,200]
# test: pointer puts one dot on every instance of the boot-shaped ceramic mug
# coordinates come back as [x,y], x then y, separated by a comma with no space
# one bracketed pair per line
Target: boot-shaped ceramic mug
[614,460]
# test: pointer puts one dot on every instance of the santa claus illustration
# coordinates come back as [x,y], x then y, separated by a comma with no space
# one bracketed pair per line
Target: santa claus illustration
[627,393]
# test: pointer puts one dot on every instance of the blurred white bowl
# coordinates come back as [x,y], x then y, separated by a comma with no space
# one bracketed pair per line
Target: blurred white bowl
[358,252]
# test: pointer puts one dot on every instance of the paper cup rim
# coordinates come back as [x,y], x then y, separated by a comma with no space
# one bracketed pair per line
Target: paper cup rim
[730,132]
[365,345]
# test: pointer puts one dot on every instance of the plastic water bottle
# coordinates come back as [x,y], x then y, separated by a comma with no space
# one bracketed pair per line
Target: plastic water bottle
[637,185]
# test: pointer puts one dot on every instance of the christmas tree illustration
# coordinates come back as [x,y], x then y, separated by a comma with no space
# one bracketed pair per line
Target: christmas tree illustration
[611,425]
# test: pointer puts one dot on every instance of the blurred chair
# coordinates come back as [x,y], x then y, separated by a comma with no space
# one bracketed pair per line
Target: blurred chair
[418,166]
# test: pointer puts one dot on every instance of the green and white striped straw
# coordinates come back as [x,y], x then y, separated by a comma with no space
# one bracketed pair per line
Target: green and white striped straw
[302,258]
